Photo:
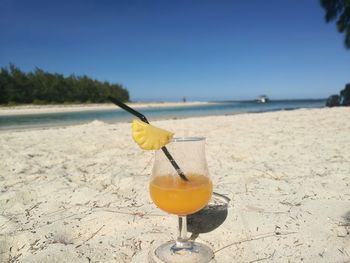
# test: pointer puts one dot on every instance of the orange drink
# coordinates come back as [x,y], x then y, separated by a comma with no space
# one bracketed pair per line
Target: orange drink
[182,193]
[176,196]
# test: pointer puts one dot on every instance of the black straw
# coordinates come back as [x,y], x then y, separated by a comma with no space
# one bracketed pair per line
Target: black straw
[128,109]
[144,119]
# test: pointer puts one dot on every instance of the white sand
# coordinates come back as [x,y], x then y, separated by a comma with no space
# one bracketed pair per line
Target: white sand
[37,109]
[80,193]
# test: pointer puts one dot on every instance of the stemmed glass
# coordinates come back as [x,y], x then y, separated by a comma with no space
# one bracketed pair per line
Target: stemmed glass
[176,196]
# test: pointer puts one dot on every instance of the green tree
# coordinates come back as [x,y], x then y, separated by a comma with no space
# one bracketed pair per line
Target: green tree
[338,10]
[5,80]
[42,87]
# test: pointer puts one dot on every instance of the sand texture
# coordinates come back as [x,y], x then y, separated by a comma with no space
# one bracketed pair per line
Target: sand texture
[80,193]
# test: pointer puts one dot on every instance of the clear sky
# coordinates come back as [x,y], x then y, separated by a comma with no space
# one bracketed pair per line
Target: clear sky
[164,50]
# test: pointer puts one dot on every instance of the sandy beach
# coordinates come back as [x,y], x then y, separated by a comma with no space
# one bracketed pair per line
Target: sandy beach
[80,193]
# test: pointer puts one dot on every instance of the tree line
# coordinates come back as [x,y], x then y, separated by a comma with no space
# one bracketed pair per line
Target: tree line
[41,87]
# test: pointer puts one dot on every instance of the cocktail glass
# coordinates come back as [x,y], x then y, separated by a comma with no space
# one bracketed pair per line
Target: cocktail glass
[176,196]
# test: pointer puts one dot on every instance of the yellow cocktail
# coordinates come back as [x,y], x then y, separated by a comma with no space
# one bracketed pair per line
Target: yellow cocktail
[176,196]
[181,196]
[179,184]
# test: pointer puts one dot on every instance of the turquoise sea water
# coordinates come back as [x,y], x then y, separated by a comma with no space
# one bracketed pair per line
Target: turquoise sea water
[118,115]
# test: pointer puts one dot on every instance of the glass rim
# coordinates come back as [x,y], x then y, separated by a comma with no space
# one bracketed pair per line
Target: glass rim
[187,139]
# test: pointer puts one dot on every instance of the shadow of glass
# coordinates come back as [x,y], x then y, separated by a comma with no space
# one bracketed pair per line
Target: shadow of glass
[210,217]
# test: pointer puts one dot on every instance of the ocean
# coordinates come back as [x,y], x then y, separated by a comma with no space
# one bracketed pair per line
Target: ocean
[118,115]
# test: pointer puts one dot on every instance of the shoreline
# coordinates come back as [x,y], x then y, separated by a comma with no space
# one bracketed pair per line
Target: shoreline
[164,118]
[42,109]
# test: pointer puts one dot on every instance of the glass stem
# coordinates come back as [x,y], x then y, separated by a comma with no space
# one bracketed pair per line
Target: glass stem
[182,241]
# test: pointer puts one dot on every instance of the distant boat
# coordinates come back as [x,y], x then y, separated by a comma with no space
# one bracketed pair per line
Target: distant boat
[262,99]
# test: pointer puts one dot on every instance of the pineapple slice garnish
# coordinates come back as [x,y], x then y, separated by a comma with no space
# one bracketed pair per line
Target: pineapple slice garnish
[149,137]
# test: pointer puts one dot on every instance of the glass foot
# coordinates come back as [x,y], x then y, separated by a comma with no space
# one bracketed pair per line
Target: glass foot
[170,253]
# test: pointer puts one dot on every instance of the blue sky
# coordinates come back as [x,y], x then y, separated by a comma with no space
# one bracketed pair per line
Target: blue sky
[164,50]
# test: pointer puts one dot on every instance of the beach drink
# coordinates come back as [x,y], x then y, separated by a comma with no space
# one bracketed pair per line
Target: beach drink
[179,184]
[175,196]
[181,197]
